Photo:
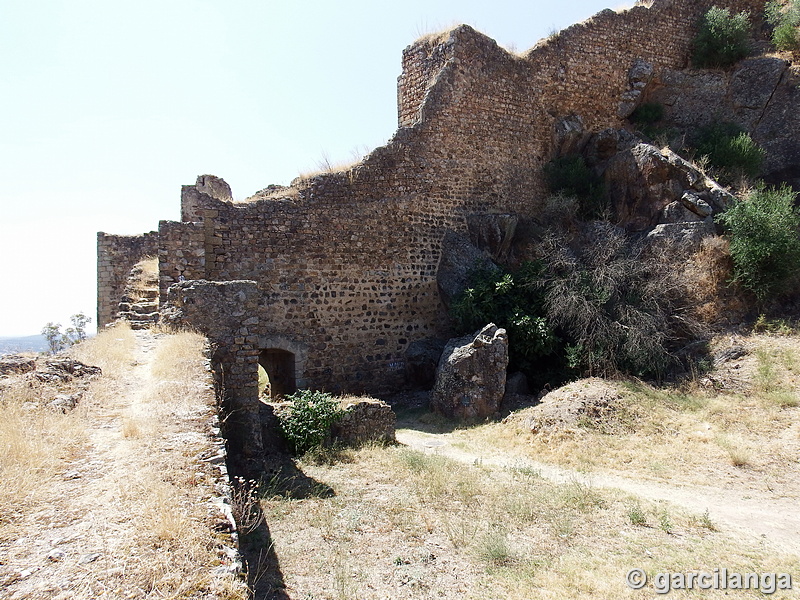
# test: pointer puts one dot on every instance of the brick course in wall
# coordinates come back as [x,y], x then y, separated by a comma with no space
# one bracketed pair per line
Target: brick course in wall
[344,264]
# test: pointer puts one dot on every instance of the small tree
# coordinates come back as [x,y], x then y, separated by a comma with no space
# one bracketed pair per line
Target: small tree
[722,39]
[55,339]
[76,333]
[764,240]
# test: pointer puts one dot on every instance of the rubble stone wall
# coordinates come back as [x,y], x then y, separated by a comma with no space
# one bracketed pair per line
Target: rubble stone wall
[345,264]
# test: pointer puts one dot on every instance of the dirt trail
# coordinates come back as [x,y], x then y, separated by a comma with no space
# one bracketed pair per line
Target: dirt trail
[768,518]
[79,539]
[128,516]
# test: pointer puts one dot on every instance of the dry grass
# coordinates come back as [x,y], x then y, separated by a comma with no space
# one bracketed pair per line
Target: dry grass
[691,434]
[409,525]
[138,499]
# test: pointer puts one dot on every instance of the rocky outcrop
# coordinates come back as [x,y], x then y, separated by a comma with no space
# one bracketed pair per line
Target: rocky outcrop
[648,186]
[639,76]
[760,94]
[458,258]
[365,420]
[471,376]
[13,364]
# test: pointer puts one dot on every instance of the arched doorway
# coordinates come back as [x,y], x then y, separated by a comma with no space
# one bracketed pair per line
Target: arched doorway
[280,368]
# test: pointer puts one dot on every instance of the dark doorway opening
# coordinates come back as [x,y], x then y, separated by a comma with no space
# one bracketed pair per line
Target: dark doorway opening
[279,365]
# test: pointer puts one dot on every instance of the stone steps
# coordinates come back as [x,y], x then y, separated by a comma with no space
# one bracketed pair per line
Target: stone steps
[139,302]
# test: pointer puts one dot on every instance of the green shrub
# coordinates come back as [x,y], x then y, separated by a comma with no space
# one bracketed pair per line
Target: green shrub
[764,240]
[730,150]
[785,24]
[571,176]
[306,422]
[647,113]
[513,301]
[722,39]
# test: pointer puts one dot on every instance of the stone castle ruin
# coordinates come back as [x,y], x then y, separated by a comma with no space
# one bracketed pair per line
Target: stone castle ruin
[326,283]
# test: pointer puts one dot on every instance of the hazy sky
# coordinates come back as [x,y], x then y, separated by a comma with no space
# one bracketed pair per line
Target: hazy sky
[108,107]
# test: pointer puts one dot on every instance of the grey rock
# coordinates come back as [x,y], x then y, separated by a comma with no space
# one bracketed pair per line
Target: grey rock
[493,233]
[569,135]
[687,235]
[676,212]
[458,258]
[471,376]
[421,360]
[696,204]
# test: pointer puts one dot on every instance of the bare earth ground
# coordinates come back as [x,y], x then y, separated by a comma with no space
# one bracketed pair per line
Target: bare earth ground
[127,513]
[705,476]
[684,480]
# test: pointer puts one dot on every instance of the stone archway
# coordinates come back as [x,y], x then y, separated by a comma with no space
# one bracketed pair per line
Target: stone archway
[280,366]
[285,361]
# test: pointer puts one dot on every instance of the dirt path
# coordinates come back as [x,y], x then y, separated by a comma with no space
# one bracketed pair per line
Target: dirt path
[120,518]
[751,514]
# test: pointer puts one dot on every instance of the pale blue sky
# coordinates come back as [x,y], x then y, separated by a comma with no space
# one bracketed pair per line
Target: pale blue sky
[108,107]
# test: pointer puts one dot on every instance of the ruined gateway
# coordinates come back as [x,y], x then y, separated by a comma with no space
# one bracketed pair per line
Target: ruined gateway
[326,282]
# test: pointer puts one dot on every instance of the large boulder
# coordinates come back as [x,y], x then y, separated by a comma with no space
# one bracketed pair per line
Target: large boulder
[583,403]
[471,376]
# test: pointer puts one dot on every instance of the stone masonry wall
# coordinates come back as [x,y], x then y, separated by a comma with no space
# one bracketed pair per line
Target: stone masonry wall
[116,255]
[345,264]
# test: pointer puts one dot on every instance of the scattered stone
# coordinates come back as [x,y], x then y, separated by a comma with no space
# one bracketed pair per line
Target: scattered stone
[64,403]
[15,364]
[88,558]
[471,376]
[586,401]
[56,555]
[729,354]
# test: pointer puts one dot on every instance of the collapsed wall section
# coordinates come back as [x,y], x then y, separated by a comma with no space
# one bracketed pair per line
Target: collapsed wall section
[116,256]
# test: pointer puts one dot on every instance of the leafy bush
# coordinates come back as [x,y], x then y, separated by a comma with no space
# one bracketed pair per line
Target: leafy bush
[764,240]
[647,113]
[307,421]
[571,176]
[722,39]
[785,24]
[513,301]
[731,150]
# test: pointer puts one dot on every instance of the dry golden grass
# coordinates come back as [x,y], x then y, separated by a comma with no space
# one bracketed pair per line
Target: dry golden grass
[139,496]
[111,350]
[35,442]
[403,524]
[690,434]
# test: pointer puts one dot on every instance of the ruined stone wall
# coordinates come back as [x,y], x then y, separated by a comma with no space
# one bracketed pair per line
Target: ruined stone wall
[345,264]
[116,255]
